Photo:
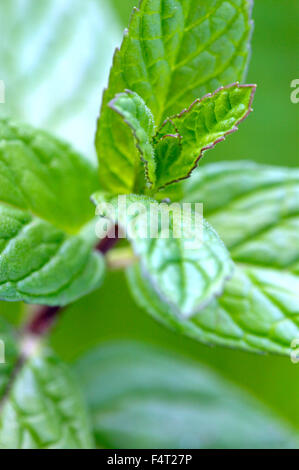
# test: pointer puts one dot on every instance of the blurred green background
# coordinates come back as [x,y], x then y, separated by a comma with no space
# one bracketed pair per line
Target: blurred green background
[270,135]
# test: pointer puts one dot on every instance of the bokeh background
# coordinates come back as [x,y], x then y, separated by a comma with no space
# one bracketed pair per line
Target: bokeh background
[72,93]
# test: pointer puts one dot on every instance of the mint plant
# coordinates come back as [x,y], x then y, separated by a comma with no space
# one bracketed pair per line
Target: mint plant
[173,94]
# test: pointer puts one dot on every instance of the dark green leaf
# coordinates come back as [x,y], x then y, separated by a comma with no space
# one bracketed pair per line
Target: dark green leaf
[46,228]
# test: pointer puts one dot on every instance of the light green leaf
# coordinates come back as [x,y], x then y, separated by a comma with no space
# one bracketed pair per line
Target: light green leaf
[255,210]
[199,128]
[174,52]
[139,118]
[8,355]
[54,64]
[255,313]
[46,228]
[143,397]
[181,255]
[44,409]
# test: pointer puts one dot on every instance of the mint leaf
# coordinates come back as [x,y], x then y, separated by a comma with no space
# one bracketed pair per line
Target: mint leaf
[8,355]
[257,217]
[143,397]
[181,255]
[201,45]
[199,128]
[47,232]
[43,409]
[255,210]
[247,315]
[140,119]
[48,83]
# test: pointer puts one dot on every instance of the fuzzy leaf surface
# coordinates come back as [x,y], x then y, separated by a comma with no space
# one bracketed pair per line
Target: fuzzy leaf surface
[182,139]
[139,118]
[255,210]
[46,228]
[181,255]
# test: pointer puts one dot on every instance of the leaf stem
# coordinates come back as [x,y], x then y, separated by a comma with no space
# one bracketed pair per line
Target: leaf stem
[120,258]
[43,320]
[109,241]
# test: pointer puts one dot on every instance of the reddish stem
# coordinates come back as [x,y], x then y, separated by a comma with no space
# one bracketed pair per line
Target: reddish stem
[109,241]
[43,320]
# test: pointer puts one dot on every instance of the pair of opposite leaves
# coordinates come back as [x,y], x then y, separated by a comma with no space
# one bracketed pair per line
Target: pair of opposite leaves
[186,278]
[172,152]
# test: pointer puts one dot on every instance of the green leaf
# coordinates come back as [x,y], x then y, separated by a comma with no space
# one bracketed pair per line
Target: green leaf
[144,397]
[255,210]
[181,255]
[256,314]
[202,45]
[8,355]
[139,118]
[44,409]
[199,128]
[46,228]
[58,67]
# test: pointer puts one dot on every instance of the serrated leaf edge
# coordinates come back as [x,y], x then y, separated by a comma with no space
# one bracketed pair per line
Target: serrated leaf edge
[221,139]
